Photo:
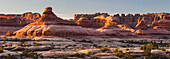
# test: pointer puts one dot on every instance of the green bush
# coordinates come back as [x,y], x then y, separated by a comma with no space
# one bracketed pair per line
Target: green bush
[65,57]
[119,53]
[38,44]
[104,49]
[25,51]
[115,50]
[93,57]
[127,54]
[148,47]
[163,49]
[147,51]
[90,53]
[35,56]
[78,55]
[1,49]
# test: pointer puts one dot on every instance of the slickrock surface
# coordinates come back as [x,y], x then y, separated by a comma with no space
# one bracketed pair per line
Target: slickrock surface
[57,54]
[33,48]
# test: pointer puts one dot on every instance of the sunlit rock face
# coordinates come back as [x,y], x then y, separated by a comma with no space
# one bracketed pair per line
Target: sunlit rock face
[51,25]
[96,20]
[12,22]
[105,24]
[29,17]
[111,28]
[142,23]
[18,19]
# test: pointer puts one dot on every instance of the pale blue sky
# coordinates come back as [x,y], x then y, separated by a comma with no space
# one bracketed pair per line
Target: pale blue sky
[67,8]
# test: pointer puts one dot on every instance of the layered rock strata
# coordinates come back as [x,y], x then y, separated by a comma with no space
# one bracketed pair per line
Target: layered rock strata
[51,25]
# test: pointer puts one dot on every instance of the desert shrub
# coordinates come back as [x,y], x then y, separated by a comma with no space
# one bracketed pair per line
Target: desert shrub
[126,49]
[148,47]
[163,49]
[164,37]
[41,56]
[119,53]
[147,51]
[10,57]
[95,46]
[24,40]
[93,57]
[78,55]
[90,53]
[45,40]
[65,57]
[25,52]
[6,39]
[1,49]
[133,46]
[38,44]
[104,49]
[35,56]
[148,57]
[115,50]
[127,54]
[16,39]
[106,52]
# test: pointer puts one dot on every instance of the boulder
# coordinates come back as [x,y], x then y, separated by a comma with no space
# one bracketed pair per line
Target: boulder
[158,52]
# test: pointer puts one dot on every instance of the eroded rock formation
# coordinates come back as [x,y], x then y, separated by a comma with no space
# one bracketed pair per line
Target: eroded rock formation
[145,24]
[50,24]
[12,22]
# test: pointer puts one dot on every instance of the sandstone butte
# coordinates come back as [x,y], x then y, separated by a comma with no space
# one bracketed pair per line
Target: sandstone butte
[51,25]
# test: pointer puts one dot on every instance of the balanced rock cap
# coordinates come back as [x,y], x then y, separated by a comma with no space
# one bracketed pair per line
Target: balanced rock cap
[48,9]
